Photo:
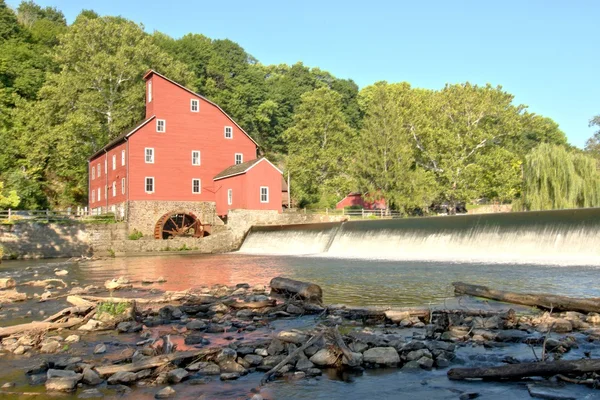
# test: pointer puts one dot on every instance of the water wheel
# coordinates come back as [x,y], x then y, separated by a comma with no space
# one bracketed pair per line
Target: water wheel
[179,224]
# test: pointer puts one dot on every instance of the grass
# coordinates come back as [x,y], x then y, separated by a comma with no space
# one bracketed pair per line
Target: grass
[111,252]
[135,235]
[113,309]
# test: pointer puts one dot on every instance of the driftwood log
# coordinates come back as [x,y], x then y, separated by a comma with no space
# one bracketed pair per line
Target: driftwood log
[42,326]
[291,288]
[253,304]
[352,359]
[523,370]
[541,300]
[155,362]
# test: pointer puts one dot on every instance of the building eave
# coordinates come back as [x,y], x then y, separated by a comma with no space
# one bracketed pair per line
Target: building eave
[121,138]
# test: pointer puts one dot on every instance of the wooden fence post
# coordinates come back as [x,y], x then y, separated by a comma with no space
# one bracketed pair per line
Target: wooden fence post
[362,211]
[9,214]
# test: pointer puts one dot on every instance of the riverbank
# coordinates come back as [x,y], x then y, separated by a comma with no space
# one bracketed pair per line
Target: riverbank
[422,341]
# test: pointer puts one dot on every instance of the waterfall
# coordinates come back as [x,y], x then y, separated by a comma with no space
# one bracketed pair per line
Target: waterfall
[555,237]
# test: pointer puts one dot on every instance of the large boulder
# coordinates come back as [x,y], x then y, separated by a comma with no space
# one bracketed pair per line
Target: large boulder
[326,357]
[381,355]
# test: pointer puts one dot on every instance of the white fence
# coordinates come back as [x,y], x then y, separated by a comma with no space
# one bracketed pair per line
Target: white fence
[78,213]
[352,213]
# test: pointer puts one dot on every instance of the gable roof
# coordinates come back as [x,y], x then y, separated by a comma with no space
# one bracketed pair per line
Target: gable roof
[242,168]
[147,74]
[121,138]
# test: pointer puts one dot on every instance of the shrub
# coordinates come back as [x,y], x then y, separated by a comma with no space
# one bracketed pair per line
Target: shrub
[135,235]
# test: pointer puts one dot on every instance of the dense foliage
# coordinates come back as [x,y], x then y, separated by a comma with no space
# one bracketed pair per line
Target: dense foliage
[66,90]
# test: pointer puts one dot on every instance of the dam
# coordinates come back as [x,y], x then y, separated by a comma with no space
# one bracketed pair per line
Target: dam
[560,237]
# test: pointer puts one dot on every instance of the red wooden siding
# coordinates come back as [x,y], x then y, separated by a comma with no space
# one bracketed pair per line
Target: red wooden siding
[356,199]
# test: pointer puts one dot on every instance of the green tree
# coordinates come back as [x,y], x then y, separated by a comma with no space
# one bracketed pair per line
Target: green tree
[8,200]
[9,26]
[385,164]
[319,144]
[592,145]
[555,178]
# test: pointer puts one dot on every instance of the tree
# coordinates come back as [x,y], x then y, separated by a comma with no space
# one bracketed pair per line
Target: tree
[8,200]
[555,178]
[9,27]
[319,144]
[592,145]
[385,164]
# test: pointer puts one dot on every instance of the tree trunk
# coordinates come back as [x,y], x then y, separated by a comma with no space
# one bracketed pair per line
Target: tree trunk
[289,287]
[42,326]
[541,300]
[523,370]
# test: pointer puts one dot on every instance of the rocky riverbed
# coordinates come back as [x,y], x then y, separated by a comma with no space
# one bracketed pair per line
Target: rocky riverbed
[131,337]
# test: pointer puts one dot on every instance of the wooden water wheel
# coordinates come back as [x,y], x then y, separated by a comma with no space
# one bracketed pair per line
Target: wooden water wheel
[179,224]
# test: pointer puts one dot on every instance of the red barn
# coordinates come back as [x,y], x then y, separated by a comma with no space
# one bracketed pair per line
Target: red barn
[187,156]
[356,199]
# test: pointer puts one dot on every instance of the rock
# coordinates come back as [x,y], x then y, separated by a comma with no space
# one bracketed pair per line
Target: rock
[276,347]
[256,397]
[41,366]
[313,372]
[417,354]
[91,325]
[271,361]
[244,350]
[411,366]
[253,359]
[7,283]
[205,368]
[218,308]
[64,384]
[91,377]
[176,375]
[304,364]
[292,337]
[239,292]
[232,366]
[357,359]
[358,347]
[292,309]
[381,355]
[90,394]
[100,348]
[397,316]
[229,376]
[72,339]
[50,347]
[194,338]
[494,322]
[215,328]
[559,325]
[165,393]
[468,396]
[122,377]
[548,391]
[199,381]
[129,326]
[226,354]
[327,357]
[425,362]
[169,312]
[196,325]
[511,335]
[67,362]
[245,314]
[61,272]
[441,362]
[261,352]
[21,350]
[8,385]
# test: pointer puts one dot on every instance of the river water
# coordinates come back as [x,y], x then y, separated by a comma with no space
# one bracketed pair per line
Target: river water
[349,281]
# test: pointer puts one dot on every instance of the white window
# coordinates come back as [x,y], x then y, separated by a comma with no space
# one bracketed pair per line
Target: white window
[196,187]
[264,194]
[230,196]
[194,105]
[114,189]
[228,132]
[149,185]
[93,196]
[123,186]
[149,155]
[99,170]
[239,158]
[114,162]
[99,195]
[161,125]
[93,172]
[149,91]
[195,157]
[122,157]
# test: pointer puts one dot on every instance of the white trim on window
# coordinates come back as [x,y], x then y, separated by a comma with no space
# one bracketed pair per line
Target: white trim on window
[123,186]
[93,172]
[99,171]
[149,184]
[114,160]
[93,196]
[161,125]
[149,155]
[194,105]
[229,196]
[239,158]
[196,160]
[264,194]
[122,158]
[99,195]
[228,132]
[196,186]
[114,189]
[149,91]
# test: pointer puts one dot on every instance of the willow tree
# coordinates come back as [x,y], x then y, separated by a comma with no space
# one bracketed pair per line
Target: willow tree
[554,178]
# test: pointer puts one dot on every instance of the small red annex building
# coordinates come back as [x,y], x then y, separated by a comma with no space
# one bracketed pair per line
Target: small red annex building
[356,199]
[186,151]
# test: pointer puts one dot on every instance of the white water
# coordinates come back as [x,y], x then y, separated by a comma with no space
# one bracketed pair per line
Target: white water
[565,237]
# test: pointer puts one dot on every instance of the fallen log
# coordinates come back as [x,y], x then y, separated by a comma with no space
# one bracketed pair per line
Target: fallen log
[352,359]
[33,326]
[155,362]
[524,370]
[541,300]
[69,311]
[253,304]
[77,301]
[292,288]
[286,360]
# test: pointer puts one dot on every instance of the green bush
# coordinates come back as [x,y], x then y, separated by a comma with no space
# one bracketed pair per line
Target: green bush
[111,308]
[135,235]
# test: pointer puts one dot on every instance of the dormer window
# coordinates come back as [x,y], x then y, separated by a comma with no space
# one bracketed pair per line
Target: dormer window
[194,105]
[149,91]
[161,125]
[228,132]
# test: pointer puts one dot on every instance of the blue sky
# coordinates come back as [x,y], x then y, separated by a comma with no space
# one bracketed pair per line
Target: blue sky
[545,52]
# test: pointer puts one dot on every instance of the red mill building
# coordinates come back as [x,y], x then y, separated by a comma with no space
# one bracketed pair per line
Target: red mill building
[185,164]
